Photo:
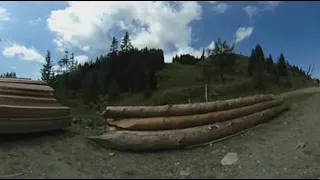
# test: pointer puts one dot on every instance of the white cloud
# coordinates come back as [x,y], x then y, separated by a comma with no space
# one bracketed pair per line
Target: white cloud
[211,45]
[157,24]
[33,22]
[250,11]
[270,5]
[4,16]
[14,68]
[243,33]
[188,50]
[220,8]
[81,59]
[24,53]
[212,2]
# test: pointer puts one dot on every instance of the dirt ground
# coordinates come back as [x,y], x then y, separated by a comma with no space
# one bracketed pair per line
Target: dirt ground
[286,147]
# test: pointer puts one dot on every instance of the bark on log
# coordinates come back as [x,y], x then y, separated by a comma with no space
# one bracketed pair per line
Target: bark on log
[182,109]
[27,101]
[25,93]
[29,87]
[173,139]
[179,122]
[32,112]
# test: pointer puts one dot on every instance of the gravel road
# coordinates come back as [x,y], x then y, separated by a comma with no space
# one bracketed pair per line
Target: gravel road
[286,147]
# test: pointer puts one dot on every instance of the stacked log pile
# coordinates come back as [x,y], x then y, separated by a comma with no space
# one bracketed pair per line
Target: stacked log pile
[28,106]
[152,128]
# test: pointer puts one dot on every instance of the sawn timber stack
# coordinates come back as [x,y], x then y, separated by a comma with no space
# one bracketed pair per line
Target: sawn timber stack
[28,106]
[152,128]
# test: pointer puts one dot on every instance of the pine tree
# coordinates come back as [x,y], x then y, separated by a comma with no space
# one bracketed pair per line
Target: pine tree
[202,56]
[259,68]
[64,63]
[269,64]
[126,43]
[46,70]
[251,63]
[72,63]
[114,45]
[282,66]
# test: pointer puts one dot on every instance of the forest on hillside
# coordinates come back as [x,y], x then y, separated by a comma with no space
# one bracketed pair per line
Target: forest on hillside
[126,69]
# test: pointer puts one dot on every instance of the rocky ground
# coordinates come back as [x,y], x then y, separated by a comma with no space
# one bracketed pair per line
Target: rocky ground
[286,147]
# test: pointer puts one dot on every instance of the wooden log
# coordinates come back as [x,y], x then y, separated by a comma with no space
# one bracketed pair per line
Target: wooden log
[29,87]
[27,101]
[178,122]
[173,139]
[7,111]
[182,109]
[25,93]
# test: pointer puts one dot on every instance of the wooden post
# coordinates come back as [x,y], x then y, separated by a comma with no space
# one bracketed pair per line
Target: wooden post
[206,92]
[189,101]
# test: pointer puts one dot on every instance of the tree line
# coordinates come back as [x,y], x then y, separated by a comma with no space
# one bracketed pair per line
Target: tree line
[123,68]
[9,74]
[222,60]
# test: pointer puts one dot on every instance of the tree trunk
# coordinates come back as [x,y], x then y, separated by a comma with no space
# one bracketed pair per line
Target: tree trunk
[178,122]
[182,109]
[173,139]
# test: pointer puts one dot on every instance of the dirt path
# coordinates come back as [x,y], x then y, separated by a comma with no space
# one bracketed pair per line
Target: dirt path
[268,151]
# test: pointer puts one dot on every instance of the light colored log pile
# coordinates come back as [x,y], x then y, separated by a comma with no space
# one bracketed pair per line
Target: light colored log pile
[28,106]
[152,128]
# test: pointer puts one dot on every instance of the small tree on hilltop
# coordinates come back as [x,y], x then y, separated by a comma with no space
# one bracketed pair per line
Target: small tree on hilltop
[203,55]
[64,64]
[115,45]
[46,70]
[282,66]
[251,63]
[222,58]
[126,43]
[269,64]
[259,68]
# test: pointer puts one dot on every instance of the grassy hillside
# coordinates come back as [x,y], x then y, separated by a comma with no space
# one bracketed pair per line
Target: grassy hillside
[177,83]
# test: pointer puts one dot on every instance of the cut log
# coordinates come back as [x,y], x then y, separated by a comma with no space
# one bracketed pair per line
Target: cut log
[27,101]
[29,87]
[173,139]
[32,112]
[25,93]
[179,122]
[182,109]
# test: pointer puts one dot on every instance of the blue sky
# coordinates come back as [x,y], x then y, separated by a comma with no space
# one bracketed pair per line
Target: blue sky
[28,29]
